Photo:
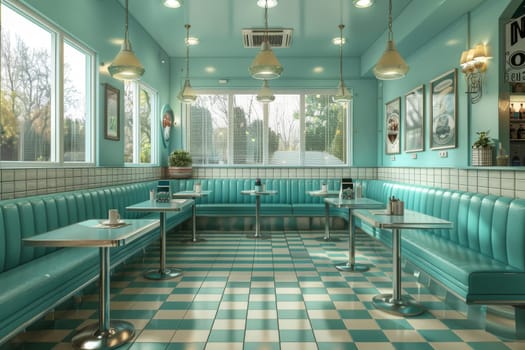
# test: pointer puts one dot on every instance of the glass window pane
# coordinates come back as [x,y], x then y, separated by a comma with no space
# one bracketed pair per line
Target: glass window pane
[284,134]
[248,135]
[209,130]
[145,116]
[26,127]
[128,122]
[325,131]
[76,107]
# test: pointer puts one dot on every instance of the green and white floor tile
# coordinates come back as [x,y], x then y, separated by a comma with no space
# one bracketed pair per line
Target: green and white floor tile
[280,293]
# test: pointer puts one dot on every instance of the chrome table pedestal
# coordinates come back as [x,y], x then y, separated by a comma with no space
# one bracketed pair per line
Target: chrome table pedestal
[351,204]
[395,303]
[193,195]
[258,194]
[162,273]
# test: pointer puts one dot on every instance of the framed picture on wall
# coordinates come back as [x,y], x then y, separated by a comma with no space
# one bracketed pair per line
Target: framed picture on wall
[414,132]
[392,126]
[443,100]
[111,113]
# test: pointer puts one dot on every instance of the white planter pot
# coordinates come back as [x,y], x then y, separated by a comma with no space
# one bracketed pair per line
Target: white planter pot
[482,156]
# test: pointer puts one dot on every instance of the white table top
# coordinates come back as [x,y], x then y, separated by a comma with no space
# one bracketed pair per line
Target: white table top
[410,220]
[92,233]
[258,193]
[190,194]
[319,193]
[357,203]
[154,206]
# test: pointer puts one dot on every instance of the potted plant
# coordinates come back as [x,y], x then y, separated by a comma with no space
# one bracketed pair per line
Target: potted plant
[482,149]
[180,164]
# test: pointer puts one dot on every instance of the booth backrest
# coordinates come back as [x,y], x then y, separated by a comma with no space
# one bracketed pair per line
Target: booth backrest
[228,191]
[25,217]
[491,225]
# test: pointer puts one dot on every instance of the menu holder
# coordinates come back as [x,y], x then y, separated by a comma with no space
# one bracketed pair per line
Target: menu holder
[347,189]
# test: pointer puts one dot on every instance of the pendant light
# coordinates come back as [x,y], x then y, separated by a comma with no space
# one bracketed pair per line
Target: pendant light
[126,66]
[265,94]
[391,65]
[187,94]
[342,95]
[265,65]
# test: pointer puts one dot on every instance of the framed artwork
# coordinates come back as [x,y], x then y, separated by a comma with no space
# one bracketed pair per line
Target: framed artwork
[392,126]
[112,113]
[166,123]
[443,100]
[414,131]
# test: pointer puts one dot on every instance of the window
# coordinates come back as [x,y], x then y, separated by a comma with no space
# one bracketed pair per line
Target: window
[46,94]
[140,104]
[302,129]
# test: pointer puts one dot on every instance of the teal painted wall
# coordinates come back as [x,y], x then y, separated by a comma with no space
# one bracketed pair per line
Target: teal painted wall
[439,55]
[96,23]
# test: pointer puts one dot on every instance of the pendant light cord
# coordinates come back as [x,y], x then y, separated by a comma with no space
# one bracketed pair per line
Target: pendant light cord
[126,40]
[266,37]
[341,26]
[390,32]
[187,26]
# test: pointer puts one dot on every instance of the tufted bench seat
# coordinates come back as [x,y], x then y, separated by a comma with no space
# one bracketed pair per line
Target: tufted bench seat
[481,260]
[33,280]
[225,208]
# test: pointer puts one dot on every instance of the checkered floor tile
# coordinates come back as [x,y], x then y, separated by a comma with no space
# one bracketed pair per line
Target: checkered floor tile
[279,293]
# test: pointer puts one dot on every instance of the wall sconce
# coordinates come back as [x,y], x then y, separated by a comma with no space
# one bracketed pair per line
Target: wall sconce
[474,64]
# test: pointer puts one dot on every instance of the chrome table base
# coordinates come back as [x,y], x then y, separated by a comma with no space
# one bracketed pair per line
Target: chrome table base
[90,337]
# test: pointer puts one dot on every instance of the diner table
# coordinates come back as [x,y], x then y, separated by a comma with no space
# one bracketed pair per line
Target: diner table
[326,194]
[395,302]
[357,203]
[162,208]
[257,195]
[107,333]
[192,195]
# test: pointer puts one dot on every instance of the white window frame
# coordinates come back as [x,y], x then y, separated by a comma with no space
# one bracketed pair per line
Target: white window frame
[230,93]
[57,94]
[155,134]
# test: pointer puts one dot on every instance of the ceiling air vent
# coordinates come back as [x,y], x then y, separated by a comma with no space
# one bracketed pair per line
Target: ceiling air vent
[279,38]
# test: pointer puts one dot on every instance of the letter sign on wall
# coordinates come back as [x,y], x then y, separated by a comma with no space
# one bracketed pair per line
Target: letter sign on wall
[515,50]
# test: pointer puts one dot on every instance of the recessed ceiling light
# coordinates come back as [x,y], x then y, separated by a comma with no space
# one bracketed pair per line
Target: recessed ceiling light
[318,69]
[192,41]
[173,4]
[210,69]
[363,3]
[269,3]
[338,41]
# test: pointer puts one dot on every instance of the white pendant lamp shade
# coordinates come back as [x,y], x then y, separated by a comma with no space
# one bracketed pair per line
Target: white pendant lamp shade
[265,94]
[126,66]
[265,65]
[391,65]
[187,94]
[342,94]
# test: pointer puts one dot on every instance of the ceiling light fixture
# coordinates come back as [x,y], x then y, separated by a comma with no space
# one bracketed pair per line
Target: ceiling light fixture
[342,95]
[361,4]
[269,3]
[391,65]
[265,95]
[126,66]
[187,94]
[172,4]
[265,65]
